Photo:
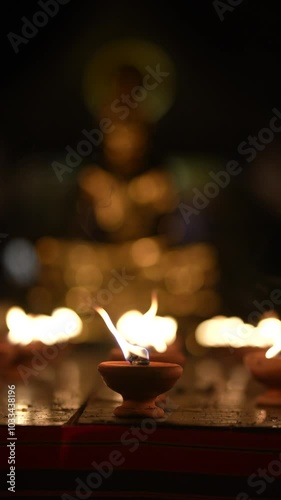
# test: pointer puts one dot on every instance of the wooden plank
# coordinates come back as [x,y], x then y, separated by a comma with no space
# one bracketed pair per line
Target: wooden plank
[52,396]
[211,400]
[213,392]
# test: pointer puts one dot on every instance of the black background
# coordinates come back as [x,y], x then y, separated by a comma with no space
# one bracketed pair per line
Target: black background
[228,71]
[229,80]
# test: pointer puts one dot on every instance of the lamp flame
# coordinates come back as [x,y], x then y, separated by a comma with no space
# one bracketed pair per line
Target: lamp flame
[148,329]
[221,331]
[151,313]
[273,351]
[133,353]
[61,326]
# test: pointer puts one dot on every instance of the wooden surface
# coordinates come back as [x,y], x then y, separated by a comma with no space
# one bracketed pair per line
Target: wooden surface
[213,392]
[212,440]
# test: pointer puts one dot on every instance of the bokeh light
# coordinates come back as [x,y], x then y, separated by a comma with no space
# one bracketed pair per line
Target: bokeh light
[20,261]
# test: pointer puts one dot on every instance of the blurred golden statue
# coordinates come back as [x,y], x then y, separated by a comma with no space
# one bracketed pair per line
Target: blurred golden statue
[126,194]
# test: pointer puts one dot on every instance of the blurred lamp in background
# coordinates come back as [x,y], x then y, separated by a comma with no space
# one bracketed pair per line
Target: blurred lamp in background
[221,331]
[63,325]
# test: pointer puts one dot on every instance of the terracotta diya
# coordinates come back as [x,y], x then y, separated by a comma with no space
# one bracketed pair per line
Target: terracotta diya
[172,355]
[41,335]
[266,369]
[139,385]
[138,380]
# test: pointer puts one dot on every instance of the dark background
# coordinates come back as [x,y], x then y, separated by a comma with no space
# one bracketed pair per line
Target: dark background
[228,82]
[228,71]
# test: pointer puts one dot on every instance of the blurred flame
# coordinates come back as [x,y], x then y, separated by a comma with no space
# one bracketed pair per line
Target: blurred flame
[153,308]
[273,351]
[272,328]
[126,348]
[148,329]
[233,332]
[24,328]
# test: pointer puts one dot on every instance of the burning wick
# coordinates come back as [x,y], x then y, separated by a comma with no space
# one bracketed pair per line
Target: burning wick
[273,351]
[135,354]
[134,359]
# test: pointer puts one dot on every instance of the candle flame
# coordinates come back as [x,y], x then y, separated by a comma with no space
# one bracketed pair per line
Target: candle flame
[148,329]
[221,331]
[24,328]
[133,353]
[273,351]
[151,313]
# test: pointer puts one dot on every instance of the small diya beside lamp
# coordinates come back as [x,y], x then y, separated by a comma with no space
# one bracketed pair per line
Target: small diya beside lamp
[232,333]
[139,385]
[31,333]
[266,368]
[138,380]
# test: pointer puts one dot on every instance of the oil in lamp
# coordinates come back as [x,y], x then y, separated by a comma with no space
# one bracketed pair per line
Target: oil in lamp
[138,380]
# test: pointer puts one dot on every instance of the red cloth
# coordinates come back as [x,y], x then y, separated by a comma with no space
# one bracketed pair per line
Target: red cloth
[170,463]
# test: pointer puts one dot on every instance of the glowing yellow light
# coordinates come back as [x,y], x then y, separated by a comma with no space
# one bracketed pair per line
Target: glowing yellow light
[145,252]
[24,328]
[273,351]
[148,329]
[233,332]
[125,346]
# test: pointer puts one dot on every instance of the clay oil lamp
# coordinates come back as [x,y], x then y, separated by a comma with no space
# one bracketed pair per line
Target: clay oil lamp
[36,333]
[232,335]
[265,366]
[137,379]
[156,333]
